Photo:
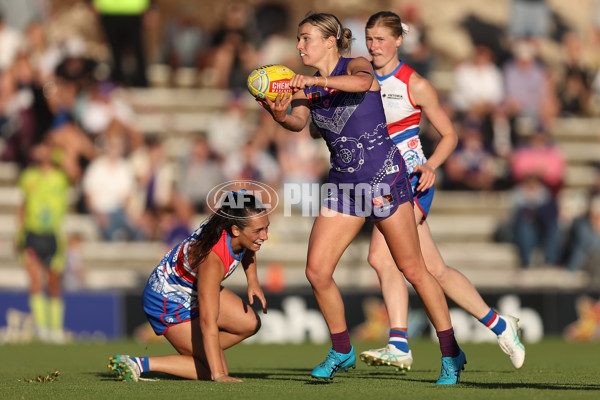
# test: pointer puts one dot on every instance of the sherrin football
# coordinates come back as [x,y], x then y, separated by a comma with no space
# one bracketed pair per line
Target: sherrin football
[269,81]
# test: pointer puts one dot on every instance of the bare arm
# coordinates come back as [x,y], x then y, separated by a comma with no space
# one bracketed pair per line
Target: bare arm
[360,78]
[294,121]
[210,275]
[424,95]
[254,289]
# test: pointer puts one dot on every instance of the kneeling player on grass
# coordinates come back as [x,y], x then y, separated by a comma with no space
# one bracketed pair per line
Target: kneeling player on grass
[185,302]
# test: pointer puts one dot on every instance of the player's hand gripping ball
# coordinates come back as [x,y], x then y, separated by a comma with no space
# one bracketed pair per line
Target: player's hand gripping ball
[269,81]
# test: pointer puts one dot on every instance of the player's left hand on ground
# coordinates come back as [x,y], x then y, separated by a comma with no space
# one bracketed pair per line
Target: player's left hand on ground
[226,378]
[427,178]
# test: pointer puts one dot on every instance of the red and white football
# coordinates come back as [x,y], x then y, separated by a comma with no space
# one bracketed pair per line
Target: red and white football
[269,81]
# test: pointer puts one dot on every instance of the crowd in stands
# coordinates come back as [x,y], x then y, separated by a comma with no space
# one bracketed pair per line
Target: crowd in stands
[61,71]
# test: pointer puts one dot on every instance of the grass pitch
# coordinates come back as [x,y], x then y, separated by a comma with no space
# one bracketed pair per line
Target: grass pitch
[553,369]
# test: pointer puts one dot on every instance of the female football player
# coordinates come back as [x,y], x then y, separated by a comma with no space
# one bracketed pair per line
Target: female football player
[405,96]
[184,300]
[367,179]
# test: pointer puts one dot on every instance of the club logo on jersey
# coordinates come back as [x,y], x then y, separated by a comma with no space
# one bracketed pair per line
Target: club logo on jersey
[411,159]
[221,195]
[413,143]
[392,169]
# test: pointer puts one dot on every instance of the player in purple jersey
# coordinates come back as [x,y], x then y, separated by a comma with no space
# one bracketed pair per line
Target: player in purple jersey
[406,94]
[185,301]
[367,179]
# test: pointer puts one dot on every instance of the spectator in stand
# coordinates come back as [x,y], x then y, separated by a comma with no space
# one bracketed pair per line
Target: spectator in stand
[471,166]
[155,175]
[155,182]
[542,158]
[172,229]
[99,109]
[44,55]
[478,85]
[35,109]
[574,94]
[529,92]
[10,43]
[575,76]
[17,116]
[233,51]
[538,171]
[201,171]
[19,14]
[109,188]
[184,39]
[255,163]
[529,18]
[584,239]
[275,45]
[228,130]
[71,76]
[478,93]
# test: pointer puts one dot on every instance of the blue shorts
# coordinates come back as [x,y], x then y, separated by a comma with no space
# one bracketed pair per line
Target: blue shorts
[423,199]
[362,200]
[166,308]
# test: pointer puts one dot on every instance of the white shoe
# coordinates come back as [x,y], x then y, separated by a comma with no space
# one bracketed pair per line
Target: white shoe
[389,355]
[509,341]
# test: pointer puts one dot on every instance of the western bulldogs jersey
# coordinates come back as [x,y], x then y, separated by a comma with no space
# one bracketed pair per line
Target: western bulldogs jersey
[175,278]
[402,116]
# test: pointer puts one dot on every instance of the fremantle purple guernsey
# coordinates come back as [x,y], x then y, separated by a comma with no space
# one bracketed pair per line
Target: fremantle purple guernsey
[354,128]
[368,176]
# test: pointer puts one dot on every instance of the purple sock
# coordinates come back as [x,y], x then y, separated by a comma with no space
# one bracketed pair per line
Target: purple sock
[341,342]
[448,344]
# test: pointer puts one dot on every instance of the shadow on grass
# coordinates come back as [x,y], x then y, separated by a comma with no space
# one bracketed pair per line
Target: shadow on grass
[515,385]
[537,386]
[303,375]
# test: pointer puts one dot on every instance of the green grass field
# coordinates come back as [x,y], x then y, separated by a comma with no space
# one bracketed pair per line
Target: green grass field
[553,369]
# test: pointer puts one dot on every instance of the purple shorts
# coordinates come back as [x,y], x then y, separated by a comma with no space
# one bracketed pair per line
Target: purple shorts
[375,203]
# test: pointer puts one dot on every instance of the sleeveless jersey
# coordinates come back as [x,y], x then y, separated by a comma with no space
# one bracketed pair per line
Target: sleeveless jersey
[175,278]
[354,128]
[402,116]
